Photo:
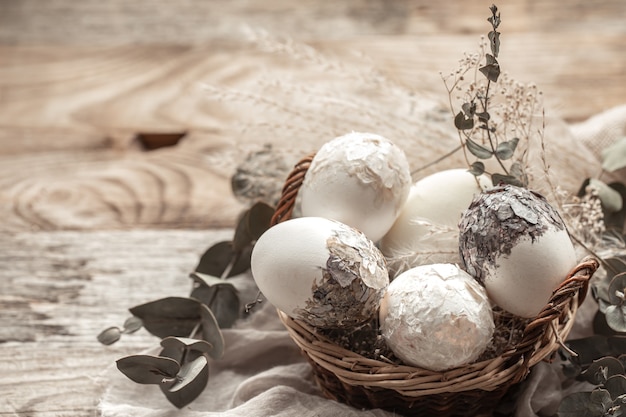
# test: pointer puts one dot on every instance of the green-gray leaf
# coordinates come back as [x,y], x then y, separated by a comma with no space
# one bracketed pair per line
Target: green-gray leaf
[181,343]
[491,69]
[171,316]
[611,198]
[617,289]
[110,335]
[148,369]
[494,41]
[211,333]
[469,109]
[462,122]
[132,324]
[614,156]
[479,151]
[602,369]
[221,297]
[252,224]
[583,404]
[219,257]
[259,219]
[477,168]
[590,348]
[190,382]
[506,150]
[616,386]
[506,179]
[616,317]
[517,170]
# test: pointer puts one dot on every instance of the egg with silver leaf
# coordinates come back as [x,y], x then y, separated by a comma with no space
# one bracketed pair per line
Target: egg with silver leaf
[360,179]
[320,271]
[436,317]
[516,244]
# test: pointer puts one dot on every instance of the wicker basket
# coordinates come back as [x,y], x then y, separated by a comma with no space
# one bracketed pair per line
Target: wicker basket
[469,390]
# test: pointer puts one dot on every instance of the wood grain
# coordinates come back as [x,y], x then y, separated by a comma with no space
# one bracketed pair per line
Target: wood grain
[92,223]
[58,290]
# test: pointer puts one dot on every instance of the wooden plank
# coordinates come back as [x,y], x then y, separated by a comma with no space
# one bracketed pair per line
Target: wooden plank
[59,290]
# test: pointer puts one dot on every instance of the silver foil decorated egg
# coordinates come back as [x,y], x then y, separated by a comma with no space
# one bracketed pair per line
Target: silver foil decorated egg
[516,244]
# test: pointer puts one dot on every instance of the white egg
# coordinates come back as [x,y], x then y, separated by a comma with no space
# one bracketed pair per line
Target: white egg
[360,179]
[436,317]
[320,271]
[426,231]
[516,244]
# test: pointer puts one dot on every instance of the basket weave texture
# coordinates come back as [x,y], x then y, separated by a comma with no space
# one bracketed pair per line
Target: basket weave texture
[469,390]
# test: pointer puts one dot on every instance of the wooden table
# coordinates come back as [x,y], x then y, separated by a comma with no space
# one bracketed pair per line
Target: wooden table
[92,223]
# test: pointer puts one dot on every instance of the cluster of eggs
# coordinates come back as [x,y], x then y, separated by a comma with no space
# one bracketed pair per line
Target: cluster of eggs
[465,245]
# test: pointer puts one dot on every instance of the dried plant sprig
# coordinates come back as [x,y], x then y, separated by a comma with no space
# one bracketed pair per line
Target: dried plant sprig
[493,122]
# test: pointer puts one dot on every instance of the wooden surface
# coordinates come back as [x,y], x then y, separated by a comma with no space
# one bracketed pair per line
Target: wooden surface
[93,224]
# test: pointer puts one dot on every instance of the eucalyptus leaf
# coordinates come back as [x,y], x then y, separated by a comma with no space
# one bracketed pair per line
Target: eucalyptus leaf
[478,150]
[211,332]
[219,257]
[601,370]
[494,42]
[517,170]
[148,369]
[616,317]
[483,116]
[617,289]
[110,335]
[462,122]
[611,199]
[190,382]
[616,386]
[589,349]
[584,404]
[497,179]
[221,297]
[171,316]
[491,70]
[202,280]
[616,265]
[477,168]
[614,156]
[616,220]
[132,324]
[506,150]
[600,287]
[603,305]
[617,344]
[600,326]
[494,19]
[468,109]
[601,397]
[182,343]
[582,190]
[259,219]
[251,225]
[178,354]
[243,236]
[571,370]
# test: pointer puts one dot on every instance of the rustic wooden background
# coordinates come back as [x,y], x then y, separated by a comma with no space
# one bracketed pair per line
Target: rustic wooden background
[92,223]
